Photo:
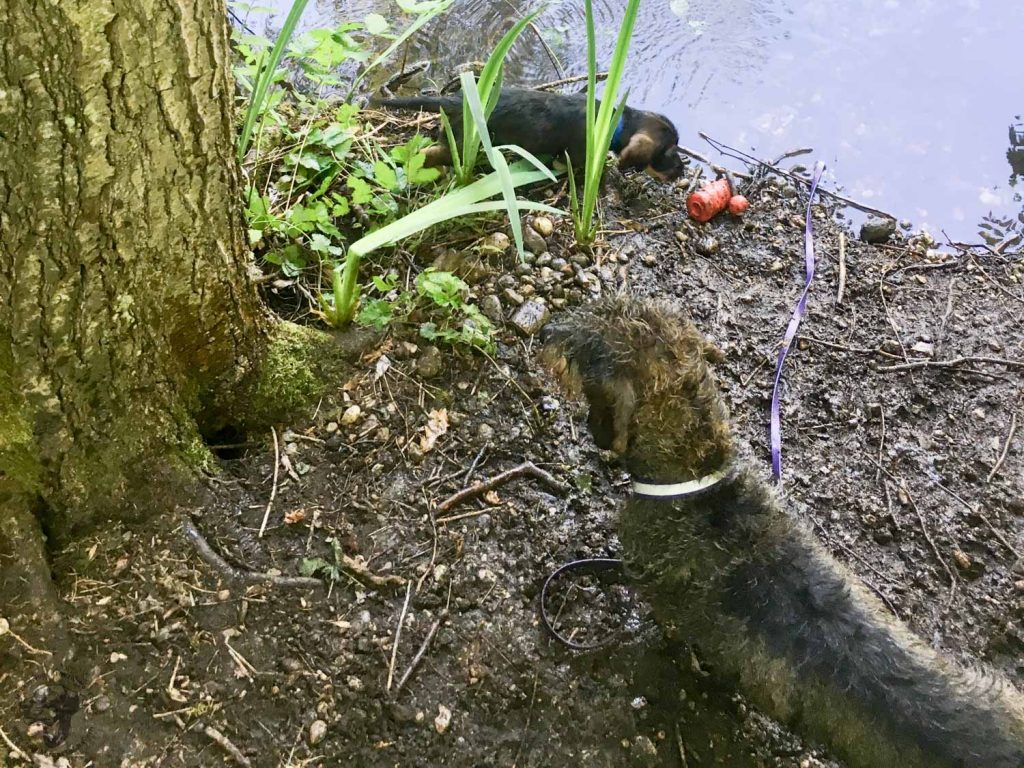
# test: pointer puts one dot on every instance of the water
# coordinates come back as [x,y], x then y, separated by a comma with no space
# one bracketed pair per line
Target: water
[907,101]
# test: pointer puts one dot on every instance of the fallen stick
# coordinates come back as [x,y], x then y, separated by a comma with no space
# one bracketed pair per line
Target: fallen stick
[422,650]
[569,81]
[206,553]
[482,486]
[842,268]
[273,490]
[225,743]
[1006,449]
[952,363]
[398,635]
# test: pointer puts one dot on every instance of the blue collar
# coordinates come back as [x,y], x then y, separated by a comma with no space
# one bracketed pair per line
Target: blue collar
[616,144]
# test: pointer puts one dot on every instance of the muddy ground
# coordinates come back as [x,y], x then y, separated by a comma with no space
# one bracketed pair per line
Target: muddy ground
[892,468]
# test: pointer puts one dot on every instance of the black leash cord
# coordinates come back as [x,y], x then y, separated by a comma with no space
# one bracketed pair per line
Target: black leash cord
[595,564]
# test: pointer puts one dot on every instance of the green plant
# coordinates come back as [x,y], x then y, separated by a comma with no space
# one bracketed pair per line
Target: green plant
[441,298]
[318,54]
[265,75]
[487,89]
[600,126]
[339,307]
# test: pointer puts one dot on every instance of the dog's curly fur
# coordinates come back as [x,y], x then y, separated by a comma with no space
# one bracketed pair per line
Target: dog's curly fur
[730,571]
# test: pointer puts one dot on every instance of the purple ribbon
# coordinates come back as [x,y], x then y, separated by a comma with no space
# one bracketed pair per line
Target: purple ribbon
[794,323]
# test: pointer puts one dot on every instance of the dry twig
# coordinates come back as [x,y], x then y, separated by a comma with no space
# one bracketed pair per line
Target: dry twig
[225,743]
[206,553]
[1006,449]
[422,650]
[398,635]
[273,490]
[482,486]
[952,363]
[842,268]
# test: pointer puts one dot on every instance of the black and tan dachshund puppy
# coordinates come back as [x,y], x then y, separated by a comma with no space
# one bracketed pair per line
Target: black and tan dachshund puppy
[554,124]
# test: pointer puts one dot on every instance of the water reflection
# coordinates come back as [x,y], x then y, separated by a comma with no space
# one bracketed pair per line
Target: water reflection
[905,99]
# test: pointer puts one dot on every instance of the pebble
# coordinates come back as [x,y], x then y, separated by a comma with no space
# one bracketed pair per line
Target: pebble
[543,226]
[485,431]
[443,719]
[317,731]
[707,246]
[877,229]
[527,290]
[558,263]
[491,307]
[530,317]
[354,683]
[351,415]
[513,296]
[924,348]
[496,241]
[506,281]
[533,242]
[332,427]
[102,704]
[429,363]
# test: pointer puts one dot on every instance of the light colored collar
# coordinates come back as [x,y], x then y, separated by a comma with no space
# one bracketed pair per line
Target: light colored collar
[677,490]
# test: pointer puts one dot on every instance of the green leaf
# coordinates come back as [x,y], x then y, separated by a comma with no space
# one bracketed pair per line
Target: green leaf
[428,330]
[385,175]
[361,192]
[319,243]
[375,24]
[376,312]
[341,207]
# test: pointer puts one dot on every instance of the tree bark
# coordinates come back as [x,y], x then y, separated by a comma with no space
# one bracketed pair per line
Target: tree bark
[127,315]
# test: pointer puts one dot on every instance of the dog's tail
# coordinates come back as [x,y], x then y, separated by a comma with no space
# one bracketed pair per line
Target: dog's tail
[446,104]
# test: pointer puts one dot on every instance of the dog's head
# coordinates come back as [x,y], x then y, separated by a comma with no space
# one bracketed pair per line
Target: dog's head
[644,370]
[654,147]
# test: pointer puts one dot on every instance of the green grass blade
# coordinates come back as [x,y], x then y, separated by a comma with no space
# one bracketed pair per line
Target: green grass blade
[266,75]
[529,157]
[471,97]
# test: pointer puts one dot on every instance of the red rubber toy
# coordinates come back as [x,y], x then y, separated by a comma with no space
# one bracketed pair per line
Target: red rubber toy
[710,200]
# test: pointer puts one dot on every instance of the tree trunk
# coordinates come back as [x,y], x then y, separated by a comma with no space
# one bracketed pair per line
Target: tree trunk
[127,316]
[125,307]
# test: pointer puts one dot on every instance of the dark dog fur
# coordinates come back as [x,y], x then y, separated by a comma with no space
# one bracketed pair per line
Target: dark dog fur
[730,571]
[555,124]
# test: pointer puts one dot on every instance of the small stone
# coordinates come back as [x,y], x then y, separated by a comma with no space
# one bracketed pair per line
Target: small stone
[681,236]
[558,263]
[443,719]
[877,229]
[404,350]
[491,307]
[354,683]
[102,704]
[317,731]
[530,317]
[332,427]
[514,296]
[963,561]
[924,348]
[533,242]
[527,290]
[543,226]
[429,363]
[707,246]
[649,259]
[485,431]
[496,242]
[506,281]
[351,415]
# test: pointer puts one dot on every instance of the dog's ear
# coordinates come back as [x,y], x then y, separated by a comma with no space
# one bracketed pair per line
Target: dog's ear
[638,151]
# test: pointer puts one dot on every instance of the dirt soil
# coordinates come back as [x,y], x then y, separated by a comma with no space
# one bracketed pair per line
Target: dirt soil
[894,466]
